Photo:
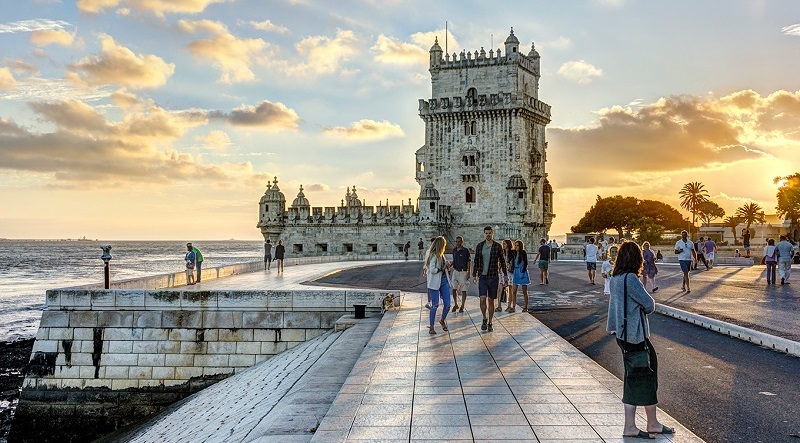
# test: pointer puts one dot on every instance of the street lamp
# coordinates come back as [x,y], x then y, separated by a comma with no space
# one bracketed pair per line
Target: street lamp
[106,257]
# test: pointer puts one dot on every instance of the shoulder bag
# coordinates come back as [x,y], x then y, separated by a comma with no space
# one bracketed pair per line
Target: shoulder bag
[634,360]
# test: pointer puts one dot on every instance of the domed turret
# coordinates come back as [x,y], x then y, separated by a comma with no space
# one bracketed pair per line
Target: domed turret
[516,182]
[534,53]
[351,198]
[428,203]
[273,193]
[429,192]
[301,201]
[512,45]
[436,54]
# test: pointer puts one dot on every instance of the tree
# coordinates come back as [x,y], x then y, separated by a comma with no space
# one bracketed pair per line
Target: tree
[648,218]
[692,195]
[750,213]
[732,222]
[708,211]
[789,198]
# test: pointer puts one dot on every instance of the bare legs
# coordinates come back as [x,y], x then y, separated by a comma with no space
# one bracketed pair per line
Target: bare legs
[653,425]
[525,297]
[685,284]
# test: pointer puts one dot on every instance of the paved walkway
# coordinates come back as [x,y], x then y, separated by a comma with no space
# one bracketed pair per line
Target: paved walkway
[522,382]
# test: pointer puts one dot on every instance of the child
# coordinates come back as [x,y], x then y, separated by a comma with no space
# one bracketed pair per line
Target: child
[736,254]
[608,265]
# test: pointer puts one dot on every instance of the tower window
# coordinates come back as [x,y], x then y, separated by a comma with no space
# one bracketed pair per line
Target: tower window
[470,195]
[472,127]
[472,160]
[465,160]
[433,206]
[520,195]
[472,95]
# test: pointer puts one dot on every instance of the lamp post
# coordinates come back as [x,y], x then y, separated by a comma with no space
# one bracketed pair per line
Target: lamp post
[106,257]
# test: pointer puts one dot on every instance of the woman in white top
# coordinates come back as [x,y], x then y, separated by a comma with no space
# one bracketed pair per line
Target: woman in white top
[436,269]
[770,260]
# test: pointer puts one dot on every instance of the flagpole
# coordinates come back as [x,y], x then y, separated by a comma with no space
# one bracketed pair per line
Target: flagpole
[445,37]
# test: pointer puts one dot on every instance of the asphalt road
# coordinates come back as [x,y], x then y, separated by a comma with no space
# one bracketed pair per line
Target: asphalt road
[723,389]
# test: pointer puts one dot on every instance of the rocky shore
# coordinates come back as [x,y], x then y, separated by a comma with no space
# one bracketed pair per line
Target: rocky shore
[13,361]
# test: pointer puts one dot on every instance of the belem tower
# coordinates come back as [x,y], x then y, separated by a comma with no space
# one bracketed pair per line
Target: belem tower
[482,163]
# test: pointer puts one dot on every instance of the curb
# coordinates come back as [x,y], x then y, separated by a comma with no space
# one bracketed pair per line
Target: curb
[749,335]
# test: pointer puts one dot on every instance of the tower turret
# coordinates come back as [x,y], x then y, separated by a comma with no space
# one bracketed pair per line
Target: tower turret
[271,211]
[436,54]
[512,45]
[428,204]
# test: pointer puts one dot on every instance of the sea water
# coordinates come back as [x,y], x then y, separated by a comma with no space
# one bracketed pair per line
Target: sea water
[29,268]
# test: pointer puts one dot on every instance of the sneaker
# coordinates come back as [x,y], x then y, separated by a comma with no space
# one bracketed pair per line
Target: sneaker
[498,309]
[483,325]
[490,327]
[428,305]
[783,280]
[455,308]
[655,289]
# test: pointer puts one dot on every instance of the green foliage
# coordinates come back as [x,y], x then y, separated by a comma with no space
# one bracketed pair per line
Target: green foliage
[750,213]
[789,198]
[732,222]
[692,195]
[707,211]
[649,219]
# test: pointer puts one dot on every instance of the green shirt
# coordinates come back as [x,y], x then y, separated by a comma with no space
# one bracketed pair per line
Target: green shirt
[198,254]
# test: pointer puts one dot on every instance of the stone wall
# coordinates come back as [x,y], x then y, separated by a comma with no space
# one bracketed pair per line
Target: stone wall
[105,358]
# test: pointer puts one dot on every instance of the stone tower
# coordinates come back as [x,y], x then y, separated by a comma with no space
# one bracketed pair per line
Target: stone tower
[485,147]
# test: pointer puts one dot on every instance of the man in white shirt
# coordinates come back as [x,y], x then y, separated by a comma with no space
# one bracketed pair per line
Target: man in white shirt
[686,253]
[591,259]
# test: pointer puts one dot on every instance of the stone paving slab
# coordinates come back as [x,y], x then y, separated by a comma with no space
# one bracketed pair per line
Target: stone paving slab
[521,382]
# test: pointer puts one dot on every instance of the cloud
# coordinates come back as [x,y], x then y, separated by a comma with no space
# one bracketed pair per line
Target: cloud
[118,65]
[52,36]
[393,51]
[32,25]
[124,99]
[366,129]
[229,54]
[579,71]
[612,3]
[426,39]
[44,89]
[7,80]
[266,116]
[215,140]
[267,26]
[159,8]
[323,54]
[318,187]
[19,66]
[678,133]
[560,44]
[791,30]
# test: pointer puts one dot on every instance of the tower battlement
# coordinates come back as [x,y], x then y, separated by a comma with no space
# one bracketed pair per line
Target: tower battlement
[485,102]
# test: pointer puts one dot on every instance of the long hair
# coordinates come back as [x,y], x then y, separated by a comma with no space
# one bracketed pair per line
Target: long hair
[629,259]
[508,249]
[436,249]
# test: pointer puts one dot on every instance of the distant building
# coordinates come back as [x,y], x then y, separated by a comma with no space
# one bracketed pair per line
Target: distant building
[759,232]
[483,163]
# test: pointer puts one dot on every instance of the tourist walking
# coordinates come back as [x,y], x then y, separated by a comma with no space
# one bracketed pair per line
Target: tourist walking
[650,269]
[699,255]
[280,252]
[505,277]
[659,256]
[628,308]
[406,247]
[686,254]
[487,264]
[591,259]
[198,262]
[770,259]
[785,252]
[435,269]
[267,254]
[189,258]
[607,267]
[521,276]
[746,241]
[420,247]
[710,249]
[543,263]
[461,268]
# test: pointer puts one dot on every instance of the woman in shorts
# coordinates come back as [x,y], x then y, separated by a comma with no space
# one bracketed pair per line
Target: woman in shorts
[650,270]
[520,276]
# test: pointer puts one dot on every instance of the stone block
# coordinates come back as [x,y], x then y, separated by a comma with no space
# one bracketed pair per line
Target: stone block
[162,299]
[71,383]
[102,299]
[130,298]
[140,372]
[172,360]
[128,359]
[155,334]
[86,371]
[120,346]
[163,373]
[242,360]
[300,319]
[186,373]
[262,357]
[169,347]
[75,298]
[327,320]
[280,300]
[183,334]
[224,347]
[273,348]
[63,372]
[360,297]
[88,346]
[262,319]
[211,360]
[147,319]
[182,319]
[222,319]
[145,347]
[54,319]
[121,385]
[313,333]
[116,372]
[46,346]
[85,319]
[151,360]
[291,344]
[241,300]
[42,333]
[194,347]
[247,348]
[97,383]
[235,335]
[122,333]
[263,335]
[115,319]
[199,299]
[225,370]
[83,334]
[318,299]
[52,299]
[293,335]
[60,334]
[81,358]
[151,383]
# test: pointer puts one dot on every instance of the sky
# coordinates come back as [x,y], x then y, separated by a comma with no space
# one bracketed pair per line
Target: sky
[166,119]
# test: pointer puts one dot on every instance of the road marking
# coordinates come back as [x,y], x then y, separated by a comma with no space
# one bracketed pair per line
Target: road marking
[766,393]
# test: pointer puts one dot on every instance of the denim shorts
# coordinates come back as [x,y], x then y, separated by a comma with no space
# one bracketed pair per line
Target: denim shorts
[487,286]
[685,265]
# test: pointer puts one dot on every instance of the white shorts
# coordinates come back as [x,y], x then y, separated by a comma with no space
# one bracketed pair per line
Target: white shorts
[460,280]
[709,256]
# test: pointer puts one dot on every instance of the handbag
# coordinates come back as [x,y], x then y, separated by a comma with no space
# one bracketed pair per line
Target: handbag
[634,360]
[189,265]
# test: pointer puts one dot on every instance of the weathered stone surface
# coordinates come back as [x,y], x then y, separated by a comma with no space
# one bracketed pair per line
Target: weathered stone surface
[243,300]
[182,319]
[78,319]
[115,319]
[162,299]
[55,319]
[263,319]
[199,299]
[222,319]
[301,300]
[300,319]
[129,298]
[102,299]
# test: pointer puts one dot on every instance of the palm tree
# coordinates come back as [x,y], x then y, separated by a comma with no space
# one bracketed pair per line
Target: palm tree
[732,222]
[751,213]
[692,196]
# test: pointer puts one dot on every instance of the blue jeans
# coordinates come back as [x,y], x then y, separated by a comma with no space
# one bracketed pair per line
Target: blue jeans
[771,268]
[442,293]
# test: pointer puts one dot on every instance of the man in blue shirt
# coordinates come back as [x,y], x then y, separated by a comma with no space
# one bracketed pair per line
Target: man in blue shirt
[785,251]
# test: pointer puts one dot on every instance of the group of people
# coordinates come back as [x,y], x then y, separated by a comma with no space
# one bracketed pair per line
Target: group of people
[280,254]
[779,257]
[194,261]
[420,248]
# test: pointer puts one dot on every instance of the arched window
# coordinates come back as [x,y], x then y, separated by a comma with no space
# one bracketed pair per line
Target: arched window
[465,160]
[472,95]
[433,206]
[471,160]
[472,127]
[421,167]
[470,195]
[466,128]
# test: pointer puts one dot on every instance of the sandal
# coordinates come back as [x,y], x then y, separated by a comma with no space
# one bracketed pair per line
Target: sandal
[431,330]
[665,430]
[641,434]
[444,325]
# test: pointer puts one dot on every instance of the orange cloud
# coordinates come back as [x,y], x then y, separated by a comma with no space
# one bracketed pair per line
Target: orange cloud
[580,71]
[324,55]
[266,116]
[229,54]
[393,51]
[52,36]
[158,8]
[117,64]
[7,80]
[366,129]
